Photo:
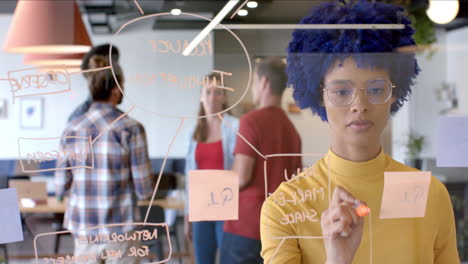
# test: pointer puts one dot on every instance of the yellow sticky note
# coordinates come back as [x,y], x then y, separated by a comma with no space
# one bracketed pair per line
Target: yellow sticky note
[405,194]
[213,195]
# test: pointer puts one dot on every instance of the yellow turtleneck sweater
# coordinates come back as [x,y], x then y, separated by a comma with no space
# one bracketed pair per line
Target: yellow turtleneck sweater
[295,209]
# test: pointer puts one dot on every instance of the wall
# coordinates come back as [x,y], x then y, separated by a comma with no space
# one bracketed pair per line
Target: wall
[424,107]
[448,64]
[457,63]
[420,114]
[137,56]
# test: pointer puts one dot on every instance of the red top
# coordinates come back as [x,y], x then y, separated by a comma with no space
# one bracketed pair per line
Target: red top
[270,131]
[209,156]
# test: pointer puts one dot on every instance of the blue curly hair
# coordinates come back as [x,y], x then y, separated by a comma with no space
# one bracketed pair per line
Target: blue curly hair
[311,53]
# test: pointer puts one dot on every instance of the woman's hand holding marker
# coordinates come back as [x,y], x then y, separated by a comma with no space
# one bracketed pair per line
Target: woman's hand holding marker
[342,225]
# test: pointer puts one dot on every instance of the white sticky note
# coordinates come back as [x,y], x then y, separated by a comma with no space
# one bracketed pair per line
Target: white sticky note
[213,195]
[10,221]
[405,194]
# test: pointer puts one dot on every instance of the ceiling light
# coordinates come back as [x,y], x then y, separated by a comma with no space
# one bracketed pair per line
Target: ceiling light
[243,12]
[442,12]
[47,26]
[176,12]
[226,9]
[252,4]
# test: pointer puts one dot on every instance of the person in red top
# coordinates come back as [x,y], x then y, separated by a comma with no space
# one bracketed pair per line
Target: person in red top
[269,131]
[211,147]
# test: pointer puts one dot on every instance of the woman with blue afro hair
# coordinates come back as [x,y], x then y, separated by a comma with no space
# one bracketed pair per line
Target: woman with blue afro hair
[356,204]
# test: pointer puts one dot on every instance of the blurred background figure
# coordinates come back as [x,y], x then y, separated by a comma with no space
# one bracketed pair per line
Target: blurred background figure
[122,169]
[101,50]
[211,147]
[270,131]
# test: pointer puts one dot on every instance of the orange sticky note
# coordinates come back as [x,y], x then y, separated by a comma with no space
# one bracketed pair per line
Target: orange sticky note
[213,195]
[405,194]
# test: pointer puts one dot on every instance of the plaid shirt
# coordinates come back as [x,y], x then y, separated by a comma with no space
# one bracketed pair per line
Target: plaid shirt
[105,194]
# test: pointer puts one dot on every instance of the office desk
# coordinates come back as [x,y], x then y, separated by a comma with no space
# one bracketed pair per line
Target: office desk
[58,209]
[54,206]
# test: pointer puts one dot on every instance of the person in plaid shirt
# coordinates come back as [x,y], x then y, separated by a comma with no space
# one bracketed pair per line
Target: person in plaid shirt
[122,169]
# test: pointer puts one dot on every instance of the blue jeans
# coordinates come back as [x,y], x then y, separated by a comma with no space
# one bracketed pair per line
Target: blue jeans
[207,237]
[240,250]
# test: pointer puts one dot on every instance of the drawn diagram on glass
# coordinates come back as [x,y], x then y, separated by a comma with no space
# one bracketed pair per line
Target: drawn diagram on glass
[27,83]
[44,80]
[36,150]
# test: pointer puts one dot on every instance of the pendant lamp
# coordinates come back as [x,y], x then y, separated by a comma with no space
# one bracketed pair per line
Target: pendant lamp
[47,26]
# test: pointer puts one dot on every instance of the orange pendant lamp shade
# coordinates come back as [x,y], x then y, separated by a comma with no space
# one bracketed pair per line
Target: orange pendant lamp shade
[47,26]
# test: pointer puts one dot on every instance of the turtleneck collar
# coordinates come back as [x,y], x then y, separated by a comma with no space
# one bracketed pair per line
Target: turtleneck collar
[348,170]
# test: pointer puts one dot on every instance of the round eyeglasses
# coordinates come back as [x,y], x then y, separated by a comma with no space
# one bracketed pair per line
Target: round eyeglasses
[343,92]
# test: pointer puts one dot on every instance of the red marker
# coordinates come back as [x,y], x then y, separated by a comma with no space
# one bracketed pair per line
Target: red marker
[362,210]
